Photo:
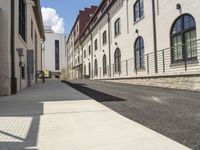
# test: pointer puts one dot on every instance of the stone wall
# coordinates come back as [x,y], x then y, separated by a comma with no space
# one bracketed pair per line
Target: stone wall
[4,81]
[189,82]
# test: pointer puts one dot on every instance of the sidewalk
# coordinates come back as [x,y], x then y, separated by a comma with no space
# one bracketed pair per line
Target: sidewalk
[53,116]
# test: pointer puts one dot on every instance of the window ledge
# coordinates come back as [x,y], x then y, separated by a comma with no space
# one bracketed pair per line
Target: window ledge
[189,62]
[135,22]
[117,35]
[22,40]
[140,69]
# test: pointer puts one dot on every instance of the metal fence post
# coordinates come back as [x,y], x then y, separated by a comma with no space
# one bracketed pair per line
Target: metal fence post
[163,55]
[148,63]
[126,67]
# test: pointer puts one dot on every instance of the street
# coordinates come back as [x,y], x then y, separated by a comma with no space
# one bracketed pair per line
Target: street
[173,113]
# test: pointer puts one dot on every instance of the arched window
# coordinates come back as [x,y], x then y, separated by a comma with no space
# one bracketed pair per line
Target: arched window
[95,44]
[138,10]
[183,39]
[117,27]
[89,50]
[84,69]
[117,60]
[139,53]
[104,65]
[89,69]
[104,36]
[95,68]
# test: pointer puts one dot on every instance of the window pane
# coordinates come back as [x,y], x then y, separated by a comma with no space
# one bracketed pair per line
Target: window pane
[136,11]
[141,8]
[177,48]
[142,58]
[188,22]
[190,44]
[177,26]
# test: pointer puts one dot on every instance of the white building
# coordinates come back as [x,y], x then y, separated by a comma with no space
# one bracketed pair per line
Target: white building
[54,53]
[22,33]
[143,39]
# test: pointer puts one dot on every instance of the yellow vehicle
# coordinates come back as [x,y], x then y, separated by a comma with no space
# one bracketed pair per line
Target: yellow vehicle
[46,73]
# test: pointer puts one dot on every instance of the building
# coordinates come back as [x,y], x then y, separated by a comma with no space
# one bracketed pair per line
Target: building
[140,39]
[54,53]
[75,61]
[22,33]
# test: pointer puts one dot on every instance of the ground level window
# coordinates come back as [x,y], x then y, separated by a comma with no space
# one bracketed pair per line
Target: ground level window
[139,53]
[184,39]
[117,60]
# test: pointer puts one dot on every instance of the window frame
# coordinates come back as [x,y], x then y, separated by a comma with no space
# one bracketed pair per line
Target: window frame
[95,67]
[138,13]
[117,60]
[95,44]
[104,37]
[117,27]
[104,64]
[139,49]
[182,34]
[22,20]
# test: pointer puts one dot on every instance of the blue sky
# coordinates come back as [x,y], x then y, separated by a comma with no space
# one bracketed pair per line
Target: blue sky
[68,9]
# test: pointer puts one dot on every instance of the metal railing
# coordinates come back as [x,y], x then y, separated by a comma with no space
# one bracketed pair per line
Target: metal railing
[166,65]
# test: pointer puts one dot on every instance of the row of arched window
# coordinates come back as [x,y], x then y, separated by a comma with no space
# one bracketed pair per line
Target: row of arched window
[183,45]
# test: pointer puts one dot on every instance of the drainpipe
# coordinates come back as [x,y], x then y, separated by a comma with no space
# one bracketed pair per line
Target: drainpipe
[82,62]
[109,43]
[41,55]
[13,83]
[91,38]
[155,36]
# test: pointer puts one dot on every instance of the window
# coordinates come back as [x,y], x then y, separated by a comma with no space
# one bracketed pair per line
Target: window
[89,49]
[95,68]
[183,39]
[84,69]
[84,53]
[104,36]
[104,65]
[95,45]
[117,27]
[139,53]
[117,60]
[31,29]
[138,10]
[22,19]
[57,55]
[89,69]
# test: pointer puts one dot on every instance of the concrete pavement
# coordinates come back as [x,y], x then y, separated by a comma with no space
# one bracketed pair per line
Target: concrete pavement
[53,116]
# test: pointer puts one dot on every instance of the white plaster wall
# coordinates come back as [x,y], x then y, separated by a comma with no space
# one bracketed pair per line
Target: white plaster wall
[28,44]
[5,47]
[49,51]
[166,13]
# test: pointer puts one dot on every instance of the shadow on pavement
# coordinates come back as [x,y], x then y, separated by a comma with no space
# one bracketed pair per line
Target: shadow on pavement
[20,115]
[19,129]
[94,94]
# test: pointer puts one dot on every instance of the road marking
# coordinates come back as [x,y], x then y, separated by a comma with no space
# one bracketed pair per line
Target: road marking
[154,99]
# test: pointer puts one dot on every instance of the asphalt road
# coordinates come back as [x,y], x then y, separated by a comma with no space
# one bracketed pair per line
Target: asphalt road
[173,113]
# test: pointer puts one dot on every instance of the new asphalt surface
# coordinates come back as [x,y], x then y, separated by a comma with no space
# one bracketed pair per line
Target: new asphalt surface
[170,112]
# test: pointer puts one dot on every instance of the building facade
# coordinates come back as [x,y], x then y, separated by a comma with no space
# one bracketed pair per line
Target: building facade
[54,53]
[22,32]
[75,59]
[138,38]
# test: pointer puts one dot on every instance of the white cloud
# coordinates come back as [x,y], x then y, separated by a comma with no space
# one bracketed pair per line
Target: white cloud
[51,18]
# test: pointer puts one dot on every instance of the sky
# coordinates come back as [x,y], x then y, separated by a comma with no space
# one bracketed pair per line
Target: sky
[61,14]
